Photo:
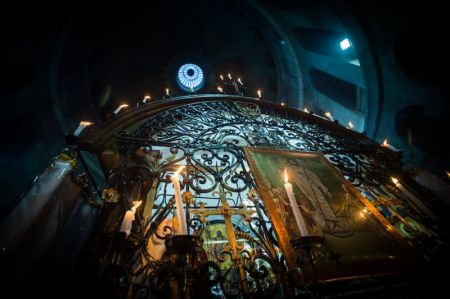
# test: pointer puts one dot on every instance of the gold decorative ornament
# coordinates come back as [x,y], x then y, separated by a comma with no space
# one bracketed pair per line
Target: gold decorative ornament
[110,195]
[188,197]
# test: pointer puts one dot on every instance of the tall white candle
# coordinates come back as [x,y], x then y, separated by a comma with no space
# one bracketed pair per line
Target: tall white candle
[167,92]
[179,204]
[240,81]
[413,198]
[129,218]
[229,76]
[297,214]
[220,89]
[221,77]
[81,126]
[120,108]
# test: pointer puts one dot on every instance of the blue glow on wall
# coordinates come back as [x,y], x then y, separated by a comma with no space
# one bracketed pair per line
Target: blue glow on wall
[345,44]
[190,77]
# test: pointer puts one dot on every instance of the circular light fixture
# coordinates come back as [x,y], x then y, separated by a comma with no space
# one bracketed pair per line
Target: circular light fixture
[190,77]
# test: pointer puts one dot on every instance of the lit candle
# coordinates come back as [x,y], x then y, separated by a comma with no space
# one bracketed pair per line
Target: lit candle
[363,212]
[386,144]
[298,216]
[240,81]
[259,93]
[220,89]
[129,218]
[221,77]
[330,117]
[120,108]
[167,92]
[413,198]
[283,104]
[229,76]
[146,99]
[179,203]
[306,110]
[83,124]
[350,125]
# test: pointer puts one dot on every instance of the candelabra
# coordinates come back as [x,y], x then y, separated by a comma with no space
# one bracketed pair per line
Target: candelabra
[232,83]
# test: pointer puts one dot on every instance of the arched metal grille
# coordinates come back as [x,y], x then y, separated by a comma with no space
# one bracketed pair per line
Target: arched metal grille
[207,138]
[233,125]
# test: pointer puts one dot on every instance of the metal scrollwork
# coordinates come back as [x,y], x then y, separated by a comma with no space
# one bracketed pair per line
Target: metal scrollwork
[206,125]
[207,139]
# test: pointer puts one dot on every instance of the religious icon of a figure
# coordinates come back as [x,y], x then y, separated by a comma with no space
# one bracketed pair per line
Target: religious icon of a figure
[313,201]
[316,194]
[218,246]
[355,235]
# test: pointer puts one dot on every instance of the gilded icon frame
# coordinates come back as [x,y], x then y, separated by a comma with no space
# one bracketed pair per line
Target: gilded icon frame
[375,247]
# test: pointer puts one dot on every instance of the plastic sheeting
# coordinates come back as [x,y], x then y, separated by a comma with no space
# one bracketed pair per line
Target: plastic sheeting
[51,224]
[21,218]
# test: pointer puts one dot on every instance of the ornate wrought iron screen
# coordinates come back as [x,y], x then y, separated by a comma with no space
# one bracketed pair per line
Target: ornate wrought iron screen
[222,205]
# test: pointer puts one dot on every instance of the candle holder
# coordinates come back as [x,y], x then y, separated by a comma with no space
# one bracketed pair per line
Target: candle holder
[305,245]
[183,244]
[307,242]
[237,84]
[184,253]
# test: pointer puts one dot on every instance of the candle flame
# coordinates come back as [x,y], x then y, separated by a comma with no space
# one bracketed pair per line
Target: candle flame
[221,77]
[259,93]
[282,104]
[229,76]
[85,123]
[448,173]
[219,89]
[394,180]
[123,106]
[385,143]
[328,114]
[285,176]
[363,212]
[167,91]
[180,169]
[350,125]
[240,81]
[306,110]
[136,204]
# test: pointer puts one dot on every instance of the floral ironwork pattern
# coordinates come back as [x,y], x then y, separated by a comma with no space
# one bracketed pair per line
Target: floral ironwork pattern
[207,137]
[234,124]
